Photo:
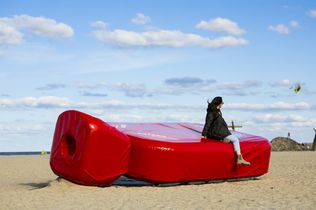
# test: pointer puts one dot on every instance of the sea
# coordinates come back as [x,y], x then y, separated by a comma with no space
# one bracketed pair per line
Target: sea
[25,153]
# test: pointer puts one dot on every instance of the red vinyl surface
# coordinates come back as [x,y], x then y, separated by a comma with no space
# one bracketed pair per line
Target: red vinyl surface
[88,151]
[175,152]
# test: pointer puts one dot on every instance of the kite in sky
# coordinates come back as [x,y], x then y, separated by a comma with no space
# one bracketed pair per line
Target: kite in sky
[296,88]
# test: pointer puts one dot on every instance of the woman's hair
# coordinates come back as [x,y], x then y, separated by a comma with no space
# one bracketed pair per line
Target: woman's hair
[214,103]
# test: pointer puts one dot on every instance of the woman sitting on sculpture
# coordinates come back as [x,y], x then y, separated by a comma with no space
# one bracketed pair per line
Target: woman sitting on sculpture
[216,128]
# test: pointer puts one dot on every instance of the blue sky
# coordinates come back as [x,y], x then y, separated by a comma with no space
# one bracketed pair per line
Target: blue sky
[156,61]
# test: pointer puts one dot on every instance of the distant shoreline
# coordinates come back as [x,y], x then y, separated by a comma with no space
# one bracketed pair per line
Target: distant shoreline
[23,153]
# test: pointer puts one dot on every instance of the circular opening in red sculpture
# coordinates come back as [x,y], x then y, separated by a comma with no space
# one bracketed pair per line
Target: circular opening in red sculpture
[68,145]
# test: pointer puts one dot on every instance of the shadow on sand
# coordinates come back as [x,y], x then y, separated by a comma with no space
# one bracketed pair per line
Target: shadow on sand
[36,186]
[129,182]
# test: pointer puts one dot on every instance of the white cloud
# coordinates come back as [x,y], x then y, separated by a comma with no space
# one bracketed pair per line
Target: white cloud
[312,13]
[63,102]
[171,86]
[221,24]
[83,85]
[12,29]
[239,86]
[141,19]
[277,106]
[294,24]
[280,28]
[281,83]
[197,85]
[266,118]
[182,88]
[131,90]
[178,86]
[52,86]
[42,26]
[292,120]
[234,93]
[44,101]
[285,28]
[128,117]
[99,24]
[93,94]
[9,35]
[188,82]
[170,38]
[165,38]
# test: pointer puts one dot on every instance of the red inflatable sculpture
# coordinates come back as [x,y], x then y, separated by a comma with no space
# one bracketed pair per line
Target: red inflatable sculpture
[89,151]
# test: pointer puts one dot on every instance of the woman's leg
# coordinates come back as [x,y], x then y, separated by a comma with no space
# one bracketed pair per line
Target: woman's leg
[232,138]
[235,140]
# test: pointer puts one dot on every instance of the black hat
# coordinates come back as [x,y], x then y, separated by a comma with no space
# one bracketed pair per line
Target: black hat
[217,100]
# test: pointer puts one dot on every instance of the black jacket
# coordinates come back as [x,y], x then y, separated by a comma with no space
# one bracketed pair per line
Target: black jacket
[215,126]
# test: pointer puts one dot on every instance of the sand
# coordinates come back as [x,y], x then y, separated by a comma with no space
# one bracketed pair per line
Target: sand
[27,182]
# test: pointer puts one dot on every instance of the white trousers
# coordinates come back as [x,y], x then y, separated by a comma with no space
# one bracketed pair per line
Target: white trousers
[235,140]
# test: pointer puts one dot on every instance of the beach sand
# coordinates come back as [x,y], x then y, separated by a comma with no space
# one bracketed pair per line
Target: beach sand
[27,182]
